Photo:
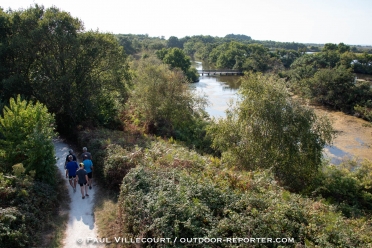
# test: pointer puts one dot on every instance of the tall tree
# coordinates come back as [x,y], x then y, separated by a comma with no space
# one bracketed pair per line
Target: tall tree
[267,129]
[78,75]
[173,41]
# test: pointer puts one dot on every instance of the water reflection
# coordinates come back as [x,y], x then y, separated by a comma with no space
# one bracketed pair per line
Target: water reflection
[219,90]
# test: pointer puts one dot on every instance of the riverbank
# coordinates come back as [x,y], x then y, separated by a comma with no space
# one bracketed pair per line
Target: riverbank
[353,139]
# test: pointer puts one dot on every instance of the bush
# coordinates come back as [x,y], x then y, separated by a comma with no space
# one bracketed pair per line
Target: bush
[117,164]
[27,130]
[99,140]
[347,186]
[26,207]
[159,202]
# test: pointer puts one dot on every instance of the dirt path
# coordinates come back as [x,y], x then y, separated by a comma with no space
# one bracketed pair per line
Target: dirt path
[81,229]
[354,136]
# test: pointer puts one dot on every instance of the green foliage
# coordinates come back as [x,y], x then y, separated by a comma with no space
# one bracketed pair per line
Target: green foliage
[47,56]
[159,202]
[163,100]
[98,141]
[27,130]
[26,207]
[347,186]
[326,78]
[364,111]
[135,43]
[176,58]
[363,64]
[117,164]
[238,37]
[333,87]
[174,42]
[236,55]
[267,129]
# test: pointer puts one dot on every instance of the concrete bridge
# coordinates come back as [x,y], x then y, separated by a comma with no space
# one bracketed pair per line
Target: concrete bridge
[220,72]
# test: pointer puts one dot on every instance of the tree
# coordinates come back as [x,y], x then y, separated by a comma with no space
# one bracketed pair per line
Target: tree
[267,129]
[162,99]
[333,87]
[79,76]
[342,48]
[27,130]
[329,47]
[174,42]
[176,58]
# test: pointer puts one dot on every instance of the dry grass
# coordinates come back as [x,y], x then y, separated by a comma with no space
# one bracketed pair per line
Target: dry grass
[106,216]
[55,234]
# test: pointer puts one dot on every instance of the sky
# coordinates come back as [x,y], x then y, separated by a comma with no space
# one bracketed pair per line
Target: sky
[303,21]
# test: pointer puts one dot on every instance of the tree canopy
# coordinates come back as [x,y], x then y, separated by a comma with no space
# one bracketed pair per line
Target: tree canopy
[267,129]
[47,56]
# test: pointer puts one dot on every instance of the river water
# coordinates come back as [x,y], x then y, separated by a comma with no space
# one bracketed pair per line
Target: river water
[220,90]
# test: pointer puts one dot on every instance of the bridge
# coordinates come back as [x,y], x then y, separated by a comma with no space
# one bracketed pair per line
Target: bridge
[220,72]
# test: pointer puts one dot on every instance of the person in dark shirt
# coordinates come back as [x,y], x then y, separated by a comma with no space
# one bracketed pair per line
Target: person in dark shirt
[85,152]
[82,180]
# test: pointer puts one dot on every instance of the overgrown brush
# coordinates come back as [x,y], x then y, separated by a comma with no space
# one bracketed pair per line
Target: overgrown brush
[155,202]
[26,210]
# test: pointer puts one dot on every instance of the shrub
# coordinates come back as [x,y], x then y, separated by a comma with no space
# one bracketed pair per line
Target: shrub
[158,202]
[27,131]
[117,164]
[26,207]
[347,186]
[99,139]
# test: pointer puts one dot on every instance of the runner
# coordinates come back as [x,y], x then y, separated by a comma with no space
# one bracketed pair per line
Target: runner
[88,165]
[70,152]
[85,152]
[71,168]
[83,179]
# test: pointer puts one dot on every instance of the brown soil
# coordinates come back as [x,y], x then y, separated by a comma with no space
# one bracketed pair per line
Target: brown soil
[354,135]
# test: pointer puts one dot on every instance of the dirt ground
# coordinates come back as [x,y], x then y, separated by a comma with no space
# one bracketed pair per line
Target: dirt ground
[354,136]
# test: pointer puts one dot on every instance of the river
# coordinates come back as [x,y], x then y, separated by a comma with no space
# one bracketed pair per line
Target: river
[354,135]
[219,90]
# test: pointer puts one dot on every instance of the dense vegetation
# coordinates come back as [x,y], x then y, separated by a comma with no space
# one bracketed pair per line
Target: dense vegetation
[28,176]
[257,173]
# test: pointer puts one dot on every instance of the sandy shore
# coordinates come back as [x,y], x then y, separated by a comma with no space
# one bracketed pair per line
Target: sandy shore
[354,136]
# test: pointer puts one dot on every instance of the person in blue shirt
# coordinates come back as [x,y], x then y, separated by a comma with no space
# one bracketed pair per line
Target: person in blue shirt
[88,166]
[70,152]
[71,168]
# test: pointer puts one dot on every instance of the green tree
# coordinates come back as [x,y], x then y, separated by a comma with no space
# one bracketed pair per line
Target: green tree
[342,48]
[267,129]
[27,130]
[173,41]
[333,87]
[329,47]
[162,99]
[176,58]
[76,74]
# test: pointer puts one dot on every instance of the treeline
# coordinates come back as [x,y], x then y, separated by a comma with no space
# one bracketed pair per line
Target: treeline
[46,55]
[328,78]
